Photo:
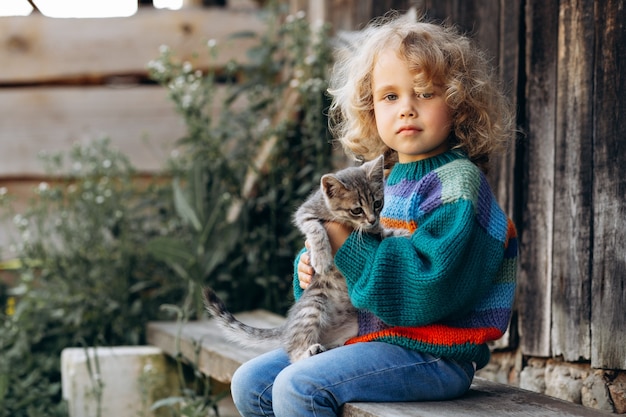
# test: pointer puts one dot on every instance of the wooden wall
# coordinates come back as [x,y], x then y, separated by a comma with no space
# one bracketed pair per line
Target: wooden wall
[574,258]
[564,63]
[64,81]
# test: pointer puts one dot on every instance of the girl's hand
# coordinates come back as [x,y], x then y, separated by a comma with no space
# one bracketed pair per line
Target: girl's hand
[305,270]
[337,234]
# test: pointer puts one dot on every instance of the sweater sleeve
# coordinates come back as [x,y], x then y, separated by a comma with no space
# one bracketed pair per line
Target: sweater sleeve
[297,291]
[435,275]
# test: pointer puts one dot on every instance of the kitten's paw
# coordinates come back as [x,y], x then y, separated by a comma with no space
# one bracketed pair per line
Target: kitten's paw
[315,349]
[312,350]
[322,263]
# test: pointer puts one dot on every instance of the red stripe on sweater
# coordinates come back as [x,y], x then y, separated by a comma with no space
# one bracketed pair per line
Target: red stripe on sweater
[511,232]
[435,334]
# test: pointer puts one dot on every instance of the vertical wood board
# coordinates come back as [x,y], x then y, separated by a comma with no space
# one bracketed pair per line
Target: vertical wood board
[504,172]
[571,286]
[505,169]
[538,204]
[608,323]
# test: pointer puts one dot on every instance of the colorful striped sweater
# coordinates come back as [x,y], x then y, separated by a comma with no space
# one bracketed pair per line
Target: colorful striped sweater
[449,288]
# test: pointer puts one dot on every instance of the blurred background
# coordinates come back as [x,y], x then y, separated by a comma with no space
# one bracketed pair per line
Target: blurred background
[148,148]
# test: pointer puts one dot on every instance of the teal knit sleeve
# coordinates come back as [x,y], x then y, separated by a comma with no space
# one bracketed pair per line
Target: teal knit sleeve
[297,291]
[436,274]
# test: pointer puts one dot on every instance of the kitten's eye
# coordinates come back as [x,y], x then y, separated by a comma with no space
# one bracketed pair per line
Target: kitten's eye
[378,204]
[357,211]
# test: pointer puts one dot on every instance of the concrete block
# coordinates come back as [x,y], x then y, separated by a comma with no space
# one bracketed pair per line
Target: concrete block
[532,377]
[115,381]
[594,393]
[564,380]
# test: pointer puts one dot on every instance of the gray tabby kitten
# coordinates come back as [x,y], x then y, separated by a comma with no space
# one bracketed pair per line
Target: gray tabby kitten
[323,317]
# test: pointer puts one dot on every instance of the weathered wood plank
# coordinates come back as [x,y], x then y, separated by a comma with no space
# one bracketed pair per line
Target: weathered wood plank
[203,343]
[35,49]
[571,286]
[140,121]
[608,325]
[538,203]
[485,398]
[505,169]
[479,19]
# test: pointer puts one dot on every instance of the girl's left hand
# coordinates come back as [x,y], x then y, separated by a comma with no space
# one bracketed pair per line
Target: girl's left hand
[305,270]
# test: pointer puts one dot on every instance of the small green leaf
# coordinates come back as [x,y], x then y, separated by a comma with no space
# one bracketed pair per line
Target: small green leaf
[168,402]
[170,250]
[183,208]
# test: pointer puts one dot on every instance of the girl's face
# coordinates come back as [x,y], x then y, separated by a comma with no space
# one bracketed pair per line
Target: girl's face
[414,124]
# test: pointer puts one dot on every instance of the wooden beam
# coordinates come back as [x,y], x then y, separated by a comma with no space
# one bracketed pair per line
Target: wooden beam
[139,120]
[571,286]
[38,49]
[608,327]
[484,398]
[538,204]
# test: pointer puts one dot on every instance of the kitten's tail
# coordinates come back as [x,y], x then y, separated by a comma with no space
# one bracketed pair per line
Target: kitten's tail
[237,331]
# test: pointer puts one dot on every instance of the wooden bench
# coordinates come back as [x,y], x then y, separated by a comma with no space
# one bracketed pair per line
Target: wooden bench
[202,342]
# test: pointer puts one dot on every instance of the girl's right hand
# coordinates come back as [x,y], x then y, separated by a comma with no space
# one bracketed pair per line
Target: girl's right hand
[305,270]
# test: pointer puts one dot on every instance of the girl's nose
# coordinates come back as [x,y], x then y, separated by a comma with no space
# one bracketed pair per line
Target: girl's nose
[408,110]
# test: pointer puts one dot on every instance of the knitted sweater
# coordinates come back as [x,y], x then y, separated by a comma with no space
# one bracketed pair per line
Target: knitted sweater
[449,288]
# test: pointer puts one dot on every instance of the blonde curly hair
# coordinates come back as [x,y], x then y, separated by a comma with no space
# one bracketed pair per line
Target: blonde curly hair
[483,119]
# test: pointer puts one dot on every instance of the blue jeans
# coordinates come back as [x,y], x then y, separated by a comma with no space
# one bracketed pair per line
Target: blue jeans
[269,385]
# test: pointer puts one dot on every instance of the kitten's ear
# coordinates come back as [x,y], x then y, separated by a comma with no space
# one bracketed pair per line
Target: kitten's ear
[376,168]
[411,15]
[331,185]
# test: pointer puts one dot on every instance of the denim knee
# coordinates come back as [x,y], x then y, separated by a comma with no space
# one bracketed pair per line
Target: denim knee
[296,394]
[241,394]
[247,393]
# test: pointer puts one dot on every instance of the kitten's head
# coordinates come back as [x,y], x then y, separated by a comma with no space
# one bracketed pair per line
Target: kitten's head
[355,195]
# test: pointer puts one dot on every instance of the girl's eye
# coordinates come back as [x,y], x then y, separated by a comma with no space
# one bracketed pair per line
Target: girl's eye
[357,211]
[391,97]
[425,96]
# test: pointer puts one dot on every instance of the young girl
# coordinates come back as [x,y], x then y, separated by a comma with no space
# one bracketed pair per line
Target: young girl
[422,95]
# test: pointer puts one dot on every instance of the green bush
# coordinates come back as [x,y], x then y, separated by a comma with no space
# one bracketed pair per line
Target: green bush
[85,277]
[100,252]
[241,239]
